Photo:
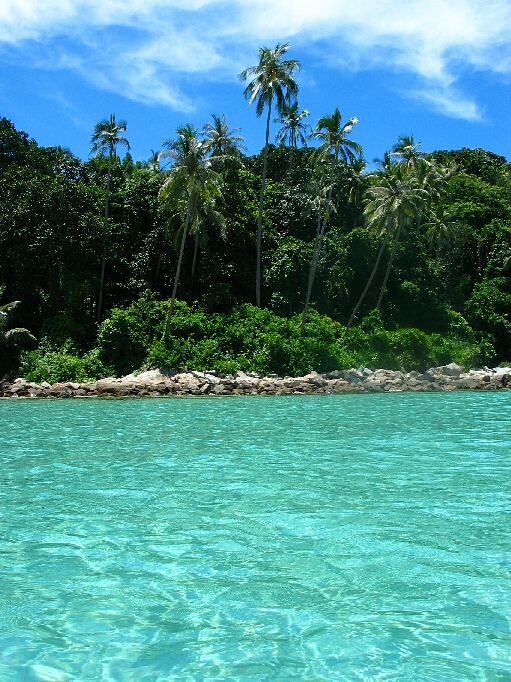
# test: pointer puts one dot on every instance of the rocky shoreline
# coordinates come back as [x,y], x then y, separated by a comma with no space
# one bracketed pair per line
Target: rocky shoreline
[165,382]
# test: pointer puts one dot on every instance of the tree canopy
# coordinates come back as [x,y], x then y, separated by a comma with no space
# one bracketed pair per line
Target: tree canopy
[429,232]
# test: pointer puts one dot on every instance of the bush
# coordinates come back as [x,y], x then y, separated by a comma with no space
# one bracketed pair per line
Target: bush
[61,365]
[248,339]
[124,338]
[253,339]
[412,349]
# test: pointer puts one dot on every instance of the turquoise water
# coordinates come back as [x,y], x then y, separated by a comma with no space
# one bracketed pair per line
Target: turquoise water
[358,537]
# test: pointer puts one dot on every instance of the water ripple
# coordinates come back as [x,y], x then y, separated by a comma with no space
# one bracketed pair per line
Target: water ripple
[279,538]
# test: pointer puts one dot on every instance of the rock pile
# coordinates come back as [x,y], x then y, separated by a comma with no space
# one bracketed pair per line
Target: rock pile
[163,382]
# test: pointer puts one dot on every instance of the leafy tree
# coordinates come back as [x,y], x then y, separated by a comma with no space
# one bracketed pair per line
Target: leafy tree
[105,139]
[272,78]
[490,167]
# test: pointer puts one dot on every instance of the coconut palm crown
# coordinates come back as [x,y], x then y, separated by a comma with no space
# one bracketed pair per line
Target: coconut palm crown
[333,137]
[223,141]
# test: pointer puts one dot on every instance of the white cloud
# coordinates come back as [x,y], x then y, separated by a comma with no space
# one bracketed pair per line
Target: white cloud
[448,102]
[139,47]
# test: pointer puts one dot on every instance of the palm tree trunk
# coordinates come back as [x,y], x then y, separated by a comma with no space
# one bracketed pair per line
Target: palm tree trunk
[312,273]
[105,233]
[194,261]
[315,257]
[176,278]
[260,217]
[384,285]
[293,145]
[369,282]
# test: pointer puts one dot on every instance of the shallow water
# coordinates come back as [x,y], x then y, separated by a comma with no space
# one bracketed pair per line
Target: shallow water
[358,537]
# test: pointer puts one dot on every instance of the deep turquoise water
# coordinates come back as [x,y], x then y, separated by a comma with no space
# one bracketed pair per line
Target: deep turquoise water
[357,537]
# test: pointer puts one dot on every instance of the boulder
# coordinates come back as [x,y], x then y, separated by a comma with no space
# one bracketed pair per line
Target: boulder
[470,380]
[452,370]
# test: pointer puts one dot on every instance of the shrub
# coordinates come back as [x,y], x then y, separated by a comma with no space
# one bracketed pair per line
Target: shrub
[252,339]
[61,364]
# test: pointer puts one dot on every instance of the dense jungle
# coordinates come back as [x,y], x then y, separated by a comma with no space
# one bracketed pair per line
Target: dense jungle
[109,266]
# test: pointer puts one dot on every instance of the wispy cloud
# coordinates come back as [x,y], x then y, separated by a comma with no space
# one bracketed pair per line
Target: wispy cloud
[448,102]
[138,48]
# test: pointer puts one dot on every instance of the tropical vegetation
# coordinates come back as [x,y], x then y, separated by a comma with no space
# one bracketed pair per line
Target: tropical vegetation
[109,266]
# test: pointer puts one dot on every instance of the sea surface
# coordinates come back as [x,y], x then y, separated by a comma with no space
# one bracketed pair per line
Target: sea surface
[355,537]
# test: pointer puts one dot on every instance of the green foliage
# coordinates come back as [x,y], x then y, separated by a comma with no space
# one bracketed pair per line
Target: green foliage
[251,339]
[123,338]
[455,290]
[248,339]
[411,349]
[483,164]
[63,364]
[489,311]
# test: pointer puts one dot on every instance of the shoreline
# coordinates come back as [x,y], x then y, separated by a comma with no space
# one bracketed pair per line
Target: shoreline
[167,383]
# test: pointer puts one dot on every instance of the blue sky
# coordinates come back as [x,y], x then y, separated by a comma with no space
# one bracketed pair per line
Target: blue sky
[437,69]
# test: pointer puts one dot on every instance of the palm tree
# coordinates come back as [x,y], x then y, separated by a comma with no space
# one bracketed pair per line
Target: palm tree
[335,147]
[17,334]
[440,225]
[154,161]
[395,199]
[334,141]
[319,192]
[272,78]
[407,151]
[104,140]
[192,179]
[224,142]
[293,129]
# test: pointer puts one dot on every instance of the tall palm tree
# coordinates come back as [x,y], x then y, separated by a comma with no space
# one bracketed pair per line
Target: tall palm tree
[395,199]
[335,148]
[293,129]
[271,79]
[224,141]
[193,179]
[104,139]
[319,192]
